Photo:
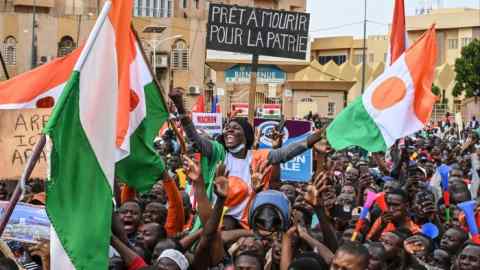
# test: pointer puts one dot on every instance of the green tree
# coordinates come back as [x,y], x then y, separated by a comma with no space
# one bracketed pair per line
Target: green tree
[436,90]
[467,68]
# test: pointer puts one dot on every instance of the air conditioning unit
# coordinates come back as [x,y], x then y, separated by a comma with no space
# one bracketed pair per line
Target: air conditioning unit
[162,61]
[194,90]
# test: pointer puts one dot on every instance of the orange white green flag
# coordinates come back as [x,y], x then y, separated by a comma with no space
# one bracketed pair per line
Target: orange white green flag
[397,104]
[102,127]
[398,36]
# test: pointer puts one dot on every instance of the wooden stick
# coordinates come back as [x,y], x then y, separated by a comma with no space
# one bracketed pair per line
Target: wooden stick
[253,89]
[32,161]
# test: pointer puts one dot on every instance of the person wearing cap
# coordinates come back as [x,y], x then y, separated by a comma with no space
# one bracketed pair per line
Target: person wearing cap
[234,149]
[172,259]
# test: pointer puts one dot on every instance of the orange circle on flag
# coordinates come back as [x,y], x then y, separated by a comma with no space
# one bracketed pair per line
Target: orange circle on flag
[388,93]
[134,100]
[46,102]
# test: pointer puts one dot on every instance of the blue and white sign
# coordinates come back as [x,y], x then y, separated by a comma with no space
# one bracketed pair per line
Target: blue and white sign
[266,74]
[300,168]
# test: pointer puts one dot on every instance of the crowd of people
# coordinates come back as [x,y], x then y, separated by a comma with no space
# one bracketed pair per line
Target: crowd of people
[221,204]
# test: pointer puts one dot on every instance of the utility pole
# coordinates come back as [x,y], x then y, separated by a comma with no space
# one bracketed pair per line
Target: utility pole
[364,55]
[34,35]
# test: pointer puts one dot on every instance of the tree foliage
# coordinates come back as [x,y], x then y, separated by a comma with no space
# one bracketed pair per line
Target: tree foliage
[436,90]
[467,68]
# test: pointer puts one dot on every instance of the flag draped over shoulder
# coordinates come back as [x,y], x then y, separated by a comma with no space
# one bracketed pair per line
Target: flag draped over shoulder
[102,127]
[397,104]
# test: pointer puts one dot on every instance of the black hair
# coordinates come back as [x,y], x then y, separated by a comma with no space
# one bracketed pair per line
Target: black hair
[399,192]
[260,259]
[374,245]
[308,261]
[7,264]
[403,233]
[357,250]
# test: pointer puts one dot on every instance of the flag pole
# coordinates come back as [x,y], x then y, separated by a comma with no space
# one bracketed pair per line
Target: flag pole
[93,36]
[41,143]
[364,49]
[19,189]
[183,145]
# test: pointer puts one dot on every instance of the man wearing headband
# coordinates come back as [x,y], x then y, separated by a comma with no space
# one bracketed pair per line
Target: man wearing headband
[234,149]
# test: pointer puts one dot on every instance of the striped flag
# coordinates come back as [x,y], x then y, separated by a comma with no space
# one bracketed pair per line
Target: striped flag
[397,104]
[40,87]
[107,112]
[398,36]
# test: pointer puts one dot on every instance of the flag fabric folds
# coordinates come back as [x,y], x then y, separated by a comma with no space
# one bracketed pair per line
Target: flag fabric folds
[106,117]
[397,104]
[398,36]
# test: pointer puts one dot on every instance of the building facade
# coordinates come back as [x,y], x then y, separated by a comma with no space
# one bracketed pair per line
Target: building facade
[172,33]
[172,29]
[455,28]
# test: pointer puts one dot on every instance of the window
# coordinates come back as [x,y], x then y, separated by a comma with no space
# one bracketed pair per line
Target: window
[184,3]
[65,46]
[156,10]
[357,59]
[180,56]
[371,58]
[148,9]
[338,59]
[331,108]
[138,7]
[385,55]
[466,41]
[153,8]
[169,8]
[10,50]
[453,43]
[197,4]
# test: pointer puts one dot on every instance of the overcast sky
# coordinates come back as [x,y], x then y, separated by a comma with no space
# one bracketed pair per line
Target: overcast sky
[344,17]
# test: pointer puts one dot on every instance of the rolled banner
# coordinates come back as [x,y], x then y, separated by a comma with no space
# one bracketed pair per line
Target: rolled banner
[381,202]
[371,197]
[468,209]
[444,171]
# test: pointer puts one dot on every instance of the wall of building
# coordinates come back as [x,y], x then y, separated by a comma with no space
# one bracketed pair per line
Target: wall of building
[321,99]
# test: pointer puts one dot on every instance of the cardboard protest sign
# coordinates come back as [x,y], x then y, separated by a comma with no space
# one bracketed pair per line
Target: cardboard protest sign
[258,31]
[300,168]
[19,132]
[209,122]
[28,223]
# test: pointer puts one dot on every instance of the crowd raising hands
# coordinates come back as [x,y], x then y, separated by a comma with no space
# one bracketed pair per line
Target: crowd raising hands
[221,204]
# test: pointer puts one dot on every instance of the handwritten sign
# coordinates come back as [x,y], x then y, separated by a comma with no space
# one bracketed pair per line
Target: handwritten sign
[19,132]
[209,122]
[258,31]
